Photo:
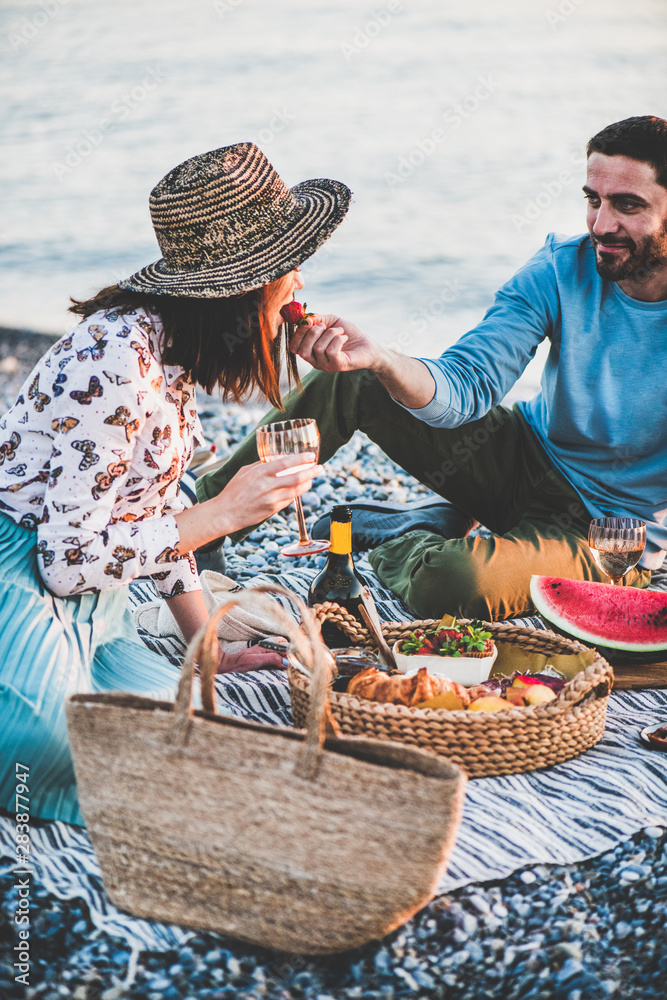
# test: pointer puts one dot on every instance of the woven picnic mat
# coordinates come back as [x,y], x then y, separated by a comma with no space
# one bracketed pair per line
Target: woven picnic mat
[562,815]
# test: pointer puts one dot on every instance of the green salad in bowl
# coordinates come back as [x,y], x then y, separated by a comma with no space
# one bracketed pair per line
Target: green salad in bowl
[462,651]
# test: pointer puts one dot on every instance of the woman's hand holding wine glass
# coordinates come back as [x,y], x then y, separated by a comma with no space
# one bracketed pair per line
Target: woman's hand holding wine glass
[255,493]
[259,492]
[293,437]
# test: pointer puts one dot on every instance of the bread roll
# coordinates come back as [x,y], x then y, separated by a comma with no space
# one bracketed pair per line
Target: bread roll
[397,689]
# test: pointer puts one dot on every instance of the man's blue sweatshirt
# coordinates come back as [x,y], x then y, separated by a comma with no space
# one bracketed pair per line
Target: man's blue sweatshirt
[601,413]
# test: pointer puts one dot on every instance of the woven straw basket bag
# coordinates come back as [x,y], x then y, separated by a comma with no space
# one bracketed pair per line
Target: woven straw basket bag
[482,743]
[264,833]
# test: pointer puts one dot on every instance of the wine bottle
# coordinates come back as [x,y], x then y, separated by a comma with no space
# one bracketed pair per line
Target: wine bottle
[339,580]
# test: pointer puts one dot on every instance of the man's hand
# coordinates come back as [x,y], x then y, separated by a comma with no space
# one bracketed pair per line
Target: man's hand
[332,344]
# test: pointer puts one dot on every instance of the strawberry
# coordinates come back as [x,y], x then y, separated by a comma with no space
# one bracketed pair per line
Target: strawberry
[293,312]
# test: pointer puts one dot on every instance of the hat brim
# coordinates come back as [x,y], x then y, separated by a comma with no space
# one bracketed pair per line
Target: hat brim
[320,207]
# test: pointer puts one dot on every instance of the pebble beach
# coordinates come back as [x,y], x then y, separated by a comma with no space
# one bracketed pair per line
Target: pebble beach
[578,932]
[588,931]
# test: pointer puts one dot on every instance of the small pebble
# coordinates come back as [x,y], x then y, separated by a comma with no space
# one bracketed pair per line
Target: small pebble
[9,365]
[160,983]
[255,560]
[570,969]
[311,500]
[630,875]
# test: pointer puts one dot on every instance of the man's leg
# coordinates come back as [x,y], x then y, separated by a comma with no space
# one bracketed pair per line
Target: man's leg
[480,467]
[489,578]
[486,578]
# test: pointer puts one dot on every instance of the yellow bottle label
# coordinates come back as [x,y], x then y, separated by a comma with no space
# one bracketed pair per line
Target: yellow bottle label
[341,537]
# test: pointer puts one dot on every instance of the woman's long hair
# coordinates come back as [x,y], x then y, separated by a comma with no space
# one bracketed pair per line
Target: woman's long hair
[222,342]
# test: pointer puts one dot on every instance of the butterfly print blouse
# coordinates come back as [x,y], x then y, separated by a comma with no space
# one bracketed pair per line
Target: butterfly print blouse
[91,456]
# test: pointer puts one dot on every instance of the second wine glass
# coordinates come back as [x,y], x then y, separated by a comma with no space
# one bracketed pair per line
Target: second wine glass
[293,437]
[616,544]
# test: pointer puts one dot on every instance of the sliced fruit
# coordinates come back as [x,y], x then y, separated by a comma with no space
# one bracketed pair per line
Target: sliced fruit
[538,694]
[449,700]
[516,695]
[525,680]
[489,704]
[627,620]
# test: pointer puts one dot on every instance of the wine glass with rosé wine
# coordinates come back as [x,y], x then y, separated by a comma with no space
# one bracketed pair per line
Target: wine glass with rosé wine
[291,437]
[616,544]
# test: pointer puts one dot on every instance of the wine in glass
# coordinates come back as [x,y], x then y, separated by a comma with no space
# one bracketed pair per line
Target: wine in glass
[616,544]
[292,437]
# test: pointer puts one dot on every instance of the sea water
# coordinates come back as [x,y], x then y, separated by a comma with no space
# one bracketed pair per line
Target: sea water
[460,128]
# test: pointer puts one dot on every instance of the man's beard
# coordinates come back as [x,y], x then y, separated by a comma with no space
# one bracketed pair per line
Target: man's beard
[642,261]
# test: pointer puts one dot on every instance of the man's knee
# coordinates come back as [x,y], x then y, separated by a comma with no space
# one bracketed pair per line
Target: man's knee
[449,584]
[434,576]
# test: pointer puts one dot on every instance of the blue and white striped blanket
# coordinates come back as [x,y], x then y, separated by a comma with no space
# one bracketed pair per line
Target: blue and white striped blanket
[559,816]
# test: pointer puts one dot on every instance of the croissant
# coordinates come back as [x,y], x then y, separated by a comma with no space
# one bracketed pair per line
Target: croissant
[397,689]
[376,685]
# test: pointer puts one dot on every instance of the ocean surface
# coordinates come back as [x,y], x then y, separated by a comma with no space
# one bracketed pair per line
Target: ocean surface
[460,128]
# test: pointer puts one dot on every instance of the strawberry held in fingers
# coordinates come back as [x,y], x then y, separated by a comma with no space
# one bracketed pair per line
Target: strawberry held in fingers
[295,312]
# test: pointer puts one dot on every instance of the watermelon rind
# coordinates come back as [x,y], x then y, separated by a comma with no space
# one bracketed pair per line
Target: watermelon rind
[584,597]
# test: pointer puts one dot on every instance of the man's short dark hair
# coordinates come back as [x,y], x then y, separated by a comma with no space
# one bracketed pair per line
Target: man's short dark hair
[643,138]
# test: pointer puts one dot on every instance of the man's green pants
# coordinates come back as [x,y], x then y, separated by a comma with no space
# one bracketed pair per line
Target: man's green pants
[494,469]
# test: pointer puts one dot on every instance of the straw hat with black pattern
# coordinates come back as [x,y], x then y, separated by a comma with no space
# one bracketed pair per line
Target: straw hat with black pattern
[226,223]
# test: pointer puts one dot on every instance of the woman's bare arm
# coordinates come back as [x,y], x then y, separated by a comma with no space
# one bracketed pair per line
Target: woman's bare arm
[190,613]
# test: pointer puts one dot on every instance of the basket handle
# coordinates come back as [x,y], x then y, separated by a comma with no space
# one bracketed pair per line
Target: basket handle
[308,648]
[599,686]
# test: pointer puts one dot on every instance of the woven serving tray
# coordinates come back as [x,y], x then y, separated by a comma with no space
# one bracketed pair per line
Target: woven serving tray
[483,743]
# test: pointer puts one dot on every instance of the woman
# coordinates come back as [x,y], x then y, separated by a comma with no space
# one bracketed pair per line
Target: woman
[92,452]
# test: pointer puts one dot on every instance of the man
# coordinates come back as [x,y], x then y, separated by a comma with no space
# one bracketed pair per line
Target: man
[593,442]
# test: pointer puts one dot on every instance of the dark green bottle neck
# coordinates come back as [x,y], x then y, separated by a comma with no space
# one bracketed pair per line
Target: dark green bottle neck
[339,561]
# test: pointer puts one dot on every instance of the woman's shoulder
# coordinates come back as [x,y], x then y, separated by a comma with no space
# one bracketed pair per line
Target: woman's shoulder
[119,325]
[117,337]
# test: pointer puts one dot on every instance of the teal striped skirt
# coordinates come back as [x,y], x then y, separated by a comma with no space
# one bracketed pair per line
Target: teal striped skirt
[50,648]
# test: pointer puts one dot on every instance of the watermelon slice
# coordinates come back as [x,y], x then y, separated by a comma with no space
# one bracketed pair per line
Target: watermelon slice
[624,623]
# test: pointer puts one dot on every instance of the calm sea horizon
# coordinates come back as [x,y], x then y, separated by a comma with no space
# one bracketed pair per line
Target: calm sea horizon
[459,128]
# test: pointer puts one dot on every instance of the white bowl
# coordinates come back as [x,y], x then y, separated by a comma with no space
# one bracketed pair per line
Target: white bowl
[466,670]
